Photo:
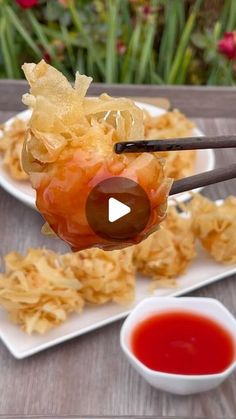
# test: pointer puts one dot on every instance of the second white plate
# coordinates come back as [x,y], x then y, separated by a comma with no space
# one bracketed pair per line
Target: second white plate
[203,271]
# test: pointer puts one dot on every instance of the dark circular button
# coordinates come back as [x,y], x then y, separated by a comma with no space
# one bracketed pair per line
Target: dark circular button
[118,209]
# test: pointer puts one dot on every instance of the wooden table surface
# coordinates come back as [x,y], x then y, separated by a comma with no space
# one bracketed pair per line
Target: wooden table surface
[89,375]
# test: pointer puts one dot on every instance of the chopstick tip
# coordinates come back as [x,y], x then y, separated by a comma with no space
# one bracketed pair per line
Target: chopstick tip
[119,148]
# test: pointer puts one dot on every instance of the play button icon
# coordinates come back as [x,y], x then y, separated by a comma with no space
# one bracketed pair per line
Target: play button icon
[118,209]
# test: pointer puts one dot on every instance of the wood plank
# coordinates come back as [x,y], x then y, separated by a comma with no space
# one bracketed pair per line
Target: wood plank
[4,116]
[195,101]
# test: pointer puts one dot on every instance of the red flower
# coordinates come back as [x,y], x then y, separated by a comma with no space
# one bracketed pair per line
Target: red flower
[47,58]
[146,10]
[121,47]
[227,45]
[27,4]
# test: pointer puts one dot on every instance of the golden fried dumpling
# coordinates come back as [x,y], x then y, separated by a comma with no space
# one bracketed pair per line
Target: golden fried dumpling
[215,227]
[69,149]
[167,253]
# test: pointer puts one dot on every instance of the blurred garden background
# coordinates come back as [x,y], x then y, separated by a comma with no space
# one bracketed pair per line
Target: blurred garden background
[123,41]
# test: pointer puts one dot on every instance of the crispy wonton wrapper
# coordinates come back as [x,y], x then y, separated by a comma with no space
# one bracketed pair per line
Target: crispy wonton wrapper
[172,124]
[69,149]
[40,289]
[104,276]
[215,227]
[168,252]
[11,144]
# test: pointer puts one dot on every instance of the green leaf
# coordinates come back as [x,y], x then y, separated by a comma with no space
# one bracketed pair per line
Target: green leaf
[224,15]
[127,17]
[56,34]
[5,51]
[9,45]
[81,62]
[129,62]
[180,10]
[149,30]
[12,49]
[199,40]
[181,79]
[217,31]
[145,54]
[156,79]
[39,30]
[231,23]
[171,37]
[15,21]
[210,55]
[65,19]
[88,41]
[40,33]
[53,11]
[111,54]
[183,43]
[69,48]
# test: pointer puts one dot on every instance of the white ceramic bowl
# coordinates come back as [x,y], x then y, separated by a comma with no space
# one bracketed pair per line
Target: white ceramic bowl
[176,383]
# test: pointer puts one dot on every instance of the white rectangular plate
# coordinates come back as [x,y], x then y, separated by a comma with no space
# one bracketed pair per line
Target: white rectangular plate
[203,271]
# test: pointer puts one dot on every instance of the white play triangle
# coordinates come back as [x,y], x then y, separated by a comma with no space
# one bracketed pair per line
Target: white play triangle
[116,210]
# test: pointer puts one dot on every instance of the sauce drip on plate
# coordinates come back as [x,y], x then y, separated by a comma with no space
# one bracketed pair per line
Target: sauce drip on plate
[183,342]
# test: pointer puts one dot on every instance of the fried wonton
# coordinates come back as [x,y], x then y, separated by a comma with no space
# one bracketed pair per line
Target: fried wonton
[167,253]
[11,144]
[215,227]
[172,124]
[69,148]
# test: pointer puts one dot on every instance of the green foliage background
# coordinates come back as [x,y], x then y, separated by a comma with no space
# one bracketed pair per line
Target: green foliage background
[121,41]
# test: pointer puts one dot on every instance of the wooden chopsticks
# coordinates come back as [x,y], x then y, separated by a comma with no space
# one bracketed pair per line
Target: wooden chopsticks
[191,143]
[203,179]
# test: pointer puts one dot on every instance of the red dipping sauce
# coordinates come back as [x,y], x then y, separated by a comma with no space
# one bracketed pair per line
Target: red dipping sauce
[183,342]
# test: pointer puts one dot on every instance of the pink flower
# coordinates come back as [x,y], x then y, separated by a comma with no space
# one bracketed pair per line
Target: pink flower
[227,45]
[27,4]
[121,47]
